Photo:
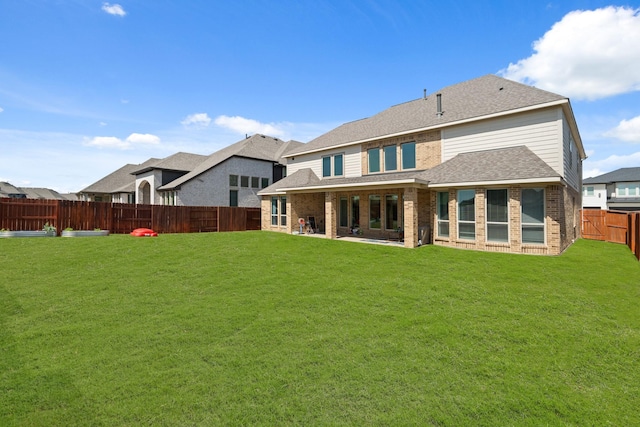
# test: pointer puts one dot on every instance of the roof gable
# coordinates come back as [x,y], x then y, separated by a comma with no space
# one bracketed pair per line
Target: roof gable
[184,162]
[259,147]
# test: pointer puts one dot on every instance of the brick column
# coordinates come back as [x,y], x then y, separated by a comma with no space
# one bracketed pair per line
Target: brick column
[330,214]
[410,217]
[515,219]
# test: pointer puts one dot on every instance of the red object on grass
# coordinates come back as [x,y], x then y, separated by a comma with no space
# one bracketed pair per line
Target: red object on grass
[144,232]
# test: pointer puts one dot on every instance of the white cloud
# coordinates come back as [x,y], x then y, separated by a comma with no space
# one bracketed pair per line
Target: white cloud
[588,54]
[113,9]
[1,109]
[242,125]
[593,168]
[627,130]
[198,119]
[114,142]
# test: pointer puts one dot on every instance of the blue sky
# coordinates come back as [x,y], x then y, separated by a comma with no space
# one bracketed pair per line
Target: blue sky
[89,86]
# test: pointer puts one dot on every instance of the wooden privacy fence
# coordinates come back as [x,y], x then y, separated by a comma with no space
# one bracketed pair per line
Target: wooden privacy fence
[122,218]
[612,226]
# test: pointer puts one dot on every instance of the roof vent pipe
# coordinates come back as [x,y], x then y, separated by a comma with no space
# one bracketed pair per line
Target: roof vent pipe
[424,96]
[439,104]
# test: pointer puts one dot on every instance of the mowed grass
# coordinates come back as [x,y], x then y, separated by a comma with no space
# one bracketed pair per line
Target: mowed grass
[260,328]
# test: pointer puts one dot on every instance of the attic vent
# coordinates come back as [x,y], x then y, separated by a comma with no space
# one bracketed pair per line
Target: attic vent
[439,104]
[501,88]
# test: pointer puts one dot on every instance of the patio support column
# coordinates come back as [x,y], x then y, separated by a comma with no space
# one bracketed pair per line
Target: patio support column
[330,213]
[410,218]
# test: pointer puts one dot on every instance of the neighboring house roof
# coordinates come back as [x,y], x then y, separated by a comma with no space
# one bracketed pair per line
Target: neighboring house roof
[260,147]
[8,190]
[120,181]
[491,167]
[42,193]
[619,175]
[184,162]
[474,99]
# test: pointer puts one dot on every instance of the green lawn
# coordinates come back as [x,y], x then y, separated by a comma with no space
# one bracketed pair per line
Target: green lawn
[261,328]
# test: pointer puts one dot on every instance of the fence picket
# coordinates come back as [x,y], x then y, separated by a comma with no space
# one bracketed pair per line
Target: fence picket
[121,218]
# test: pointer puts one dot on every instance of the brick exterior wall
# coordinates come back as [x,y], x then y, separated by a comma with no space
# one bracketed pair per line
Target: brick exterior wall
[428,149]
[561,217]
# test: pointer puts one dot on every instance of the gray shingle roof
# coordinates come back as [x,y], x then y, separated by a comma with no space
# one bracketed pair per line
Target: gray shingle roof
[475,98]
[619,175]
[184,162]
[258,146]
[500,165]
[119,181]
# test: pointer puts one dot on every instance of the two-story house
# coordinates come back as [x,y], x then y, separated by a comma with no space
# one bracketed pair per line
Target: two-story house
[231,176]
[487,164]
[618,190]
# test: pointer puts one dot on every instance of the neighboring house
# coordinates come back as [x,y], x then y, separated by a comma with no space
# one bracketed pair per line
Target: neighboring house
[231,176]
[487,164]
[8,190]
[153,175]
[117,187]
[617,190]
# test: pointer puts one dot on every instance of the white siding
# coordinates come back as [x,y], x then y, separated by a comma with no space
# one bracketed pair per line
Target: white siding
[540,131]
[598,199]
[352,161]
[571,162]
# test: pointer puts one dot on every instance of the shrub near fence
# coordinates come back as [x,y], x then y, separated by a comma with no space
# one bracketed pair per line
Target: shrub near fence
[122,218]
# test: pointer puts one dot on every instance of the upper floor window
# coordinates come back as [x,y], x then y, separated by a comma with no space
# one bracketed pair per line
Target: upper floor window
[333,165]
[233,180]
[244,181]
[385,159]
[255,182]
[265,183]
[628,189]
[589,191]
[408,155]
[374,160]
[390,158]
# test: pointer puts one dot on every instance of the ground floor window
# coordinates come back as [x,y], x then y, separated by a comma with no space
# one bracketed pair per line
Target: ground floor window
[274,211]
[169,198]
[375,220]
[391,212]
[466,214]
[497,216]
[283,211]
[233,198]
[532,215]
[344,212]
[279,209]
[355,211]
[442,207]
